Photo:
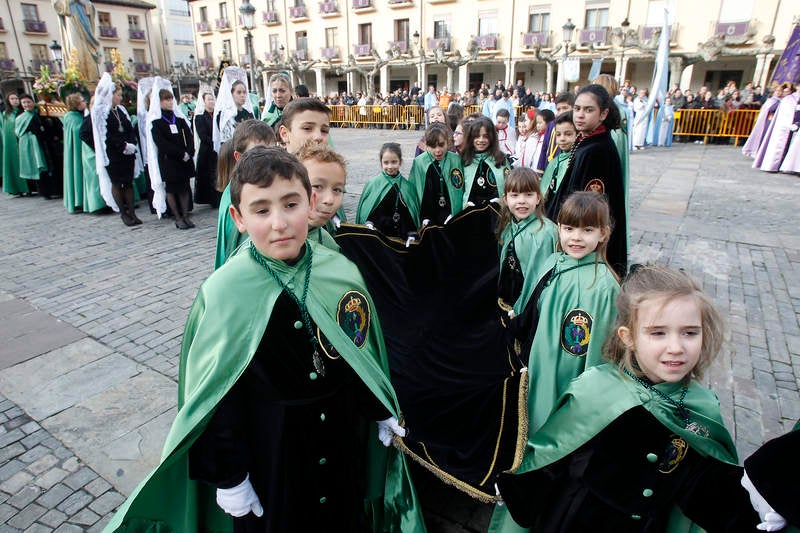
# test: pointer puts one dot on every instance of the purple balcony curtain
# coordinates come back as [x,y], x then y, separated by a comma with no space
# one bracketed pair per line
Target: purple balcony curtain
[788,67]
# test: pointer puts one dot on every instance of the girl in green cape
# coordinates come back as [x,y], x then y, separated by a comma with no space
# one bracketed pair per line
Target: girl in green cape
[12,182]
[485,165]
[73,153]
[388,201]
[638,444]
[565,134]
[526,235]
[438,178]
[32,161]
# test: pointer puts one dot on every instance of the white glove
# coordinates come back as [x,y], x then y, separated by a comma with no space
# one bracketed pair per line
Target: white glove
[426,222]
[388,428]
[793,127]
[498,497]
[130,149]
[186,157]
[240,500]
[770,520]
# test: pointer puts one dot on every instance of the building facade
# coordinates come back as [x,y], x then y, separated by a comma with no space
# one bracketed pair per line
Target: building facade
[340,45]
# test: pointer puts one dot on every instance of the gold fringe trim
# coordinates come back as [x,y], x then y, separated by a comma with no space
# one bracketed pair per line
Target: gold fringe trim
[522,428]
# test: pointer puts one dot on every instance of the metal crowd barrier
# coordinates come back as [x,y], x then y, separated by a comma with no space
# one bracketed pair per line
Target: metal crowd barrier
[697,124]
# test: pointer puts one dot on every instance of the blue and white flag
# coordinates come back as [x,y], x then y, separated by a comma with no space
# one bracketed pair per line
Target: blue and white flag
[658,87]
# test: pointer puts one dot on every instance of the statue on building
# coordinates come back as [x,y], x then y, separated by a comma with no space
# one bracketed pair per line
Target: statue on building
[77,21]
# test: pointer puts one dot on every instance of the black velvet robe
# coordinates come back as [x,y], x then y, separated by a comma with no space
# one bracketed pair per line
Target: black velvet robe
[172,148]
[383,216]
[292,434]
[120,166]
[206,184]
[596,166]
[431,205]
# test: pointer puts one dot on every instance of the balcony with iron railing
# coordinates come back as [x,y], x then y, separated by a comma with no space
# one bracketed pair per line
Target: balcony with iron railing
[330,52]
[397,4]
[533,40]
[402,46]
[7,64]
[361,50]
[486,43]
[222,24]
[203,27]
[328,9]
[363,5]
[439,42]
[647,33]
[298,13]
[205,63]
[734,32]
[37,64]
[135,34]
[142,68]
[108,32]
[595,36]
[269,17]
[301,54]
[35,26]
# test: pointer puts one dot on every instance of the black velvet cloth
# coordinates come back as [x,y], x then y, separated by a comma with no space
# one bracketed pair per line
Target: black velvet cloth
[601,487]
[774,470]
[205,191]
[431,205]
[300,439]
[596,166]
[481,194]
[383,216]
[120,166]
[454,377]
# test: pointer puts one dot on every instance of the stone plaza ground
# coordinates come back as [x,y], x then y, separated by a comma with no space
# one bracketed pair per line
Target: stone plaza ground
[92,313]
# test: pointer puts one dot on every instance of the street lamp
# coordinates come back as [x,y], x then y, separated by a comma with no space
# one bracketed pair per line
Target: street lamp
[248,12]
[625,25]
[567,29]
[57,52]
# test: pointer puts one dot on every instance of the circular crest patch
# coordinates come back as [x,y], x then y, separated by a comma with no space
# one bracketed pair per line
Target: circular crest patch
[596,185]
[576,330]
[457,178]
[673,454]
[353,316]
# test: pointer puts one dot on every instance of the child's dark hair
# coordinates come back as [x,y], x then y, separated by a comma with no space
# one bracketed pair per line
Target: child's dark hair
[604,101]
[236,84]
[547,115]
[659,282]
[565,118]
[474,129]
[565,97]
[391,147]
[247,132]
[298,105]
[437,132]
[520,180]
[26,96]
[587,208]
[455,114]
[261,165]
[503,113]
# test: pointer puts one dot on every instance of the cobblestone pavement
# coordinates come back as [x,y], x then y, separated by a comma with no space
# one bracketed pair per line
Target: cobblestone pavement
[92,313]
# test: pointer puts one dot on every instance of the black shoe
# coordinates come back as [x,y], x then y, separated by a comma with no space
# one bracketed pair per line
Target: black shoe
[136,220]
[127,220]
[181,224]
[189,222]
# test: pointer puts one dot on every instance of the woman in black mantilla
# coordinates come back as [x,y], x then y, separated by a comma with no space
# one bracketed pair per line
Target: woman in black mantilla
[205,186]
[594,165]
[121,151]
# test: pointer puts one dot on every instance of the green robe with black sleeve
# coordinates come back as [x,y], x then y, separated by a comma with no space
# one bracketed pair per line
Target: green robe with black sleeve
[12,182]
[553,174]
[494,177]
[31,157]
[73,161]
[449,184]
[605,414]
[223,331]
[526,247]
[403,202]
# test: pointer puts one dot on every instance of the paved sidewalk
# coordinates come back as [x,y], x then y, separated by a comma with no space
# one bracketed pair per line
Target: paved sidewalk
[92,313]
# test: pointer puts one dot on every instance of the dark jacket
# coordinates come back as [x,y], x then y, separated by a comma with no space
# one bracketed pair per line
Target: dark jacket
[172,147]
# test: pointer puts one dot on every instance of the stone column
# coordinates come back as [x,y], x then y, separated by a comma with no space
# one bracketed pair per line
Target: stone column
[548,77]
[350,86]
[686,77]
[321,90]
[423,77]
[449,78]
[384,80]
[763,61]
[511,73]
[622,69]
[560,83]
[676,65]
[463,78]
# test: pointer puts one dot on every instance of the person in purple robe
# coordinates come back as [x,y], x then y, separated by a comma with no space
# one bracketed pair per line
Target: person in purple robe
[765,117]
[791,160]
[781,133]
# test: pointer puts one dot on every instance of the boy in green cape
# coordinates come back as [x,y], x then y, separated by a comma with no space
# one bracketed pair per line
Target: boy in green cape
[32,161]
[438,178]
[565,134]
[282,360]
[73,153]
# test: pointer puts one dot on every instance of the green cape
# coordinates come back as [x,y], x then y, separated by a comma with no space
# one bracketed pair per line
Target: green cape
[12,182]
[555,171]
[73,161]
[375,190]
[92,199]
[453,173]
[576,288]
[228,236]
[31,160]
[580,416]
[322,236]
[219,342]
[499,174]
[534,243]
[271,115]
[256,107]
[620,139]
